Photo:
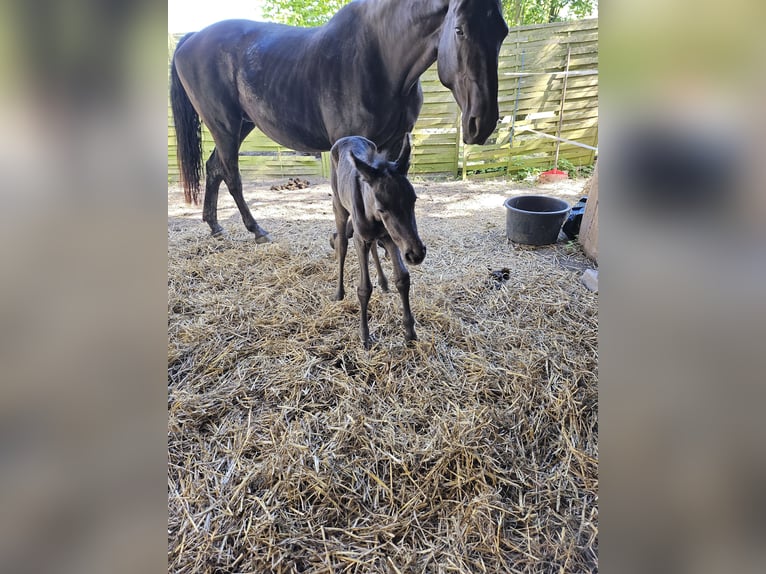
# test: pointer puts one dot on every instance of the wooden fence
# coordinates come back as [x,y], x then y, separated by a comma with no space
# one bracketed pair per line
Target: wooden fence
[548,89]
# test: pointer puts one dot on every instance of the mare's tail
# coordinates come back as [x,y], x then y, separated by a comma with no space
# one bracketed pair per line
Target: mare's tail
[188,133]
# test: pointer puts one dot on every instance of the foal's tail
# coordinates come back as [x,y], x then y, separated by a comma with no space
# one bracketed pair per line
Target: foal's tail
[188,133]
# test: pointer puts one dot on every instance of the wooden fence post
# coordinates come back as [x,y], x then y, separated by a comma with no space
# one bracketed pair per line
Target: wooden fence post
[561,107]
[326,164]
[457,143]
[589,223]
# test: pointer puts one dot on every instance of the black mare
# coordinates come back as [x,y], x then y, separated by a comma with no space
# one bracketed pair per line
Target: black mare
[307,87]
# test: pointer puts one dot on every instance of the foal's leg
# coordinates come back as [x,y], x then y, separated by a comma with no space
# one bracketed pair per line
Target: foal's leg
[340,243]
[402,281]
[364,290]
[349,231]
[382,281]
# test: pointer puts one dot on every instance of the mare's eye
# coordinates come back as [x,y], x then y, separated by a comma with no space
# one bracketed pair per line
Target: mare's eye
[382,211]
[458,31]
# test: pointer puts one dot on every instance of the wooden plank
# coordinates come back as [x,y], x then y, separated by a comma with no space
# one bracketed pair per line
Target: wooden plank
[584,117]
[548,51]
[552,49]
[486,154]
[539,44]
[541,103]
[589,226]
[255,172]
[541,29]
[420,143]
[542,86]
[428,147]
[543,89]
[571,25]
[577,156]
[574,81]
[430,169]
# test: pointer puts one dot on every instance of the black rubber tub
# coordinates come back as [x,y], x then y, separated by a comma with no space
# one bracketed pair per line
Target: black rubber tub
[534,219]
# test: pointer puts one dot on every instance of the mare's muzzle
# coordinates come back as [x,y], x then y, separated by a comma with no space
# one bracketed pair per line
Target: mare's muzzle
[477,129]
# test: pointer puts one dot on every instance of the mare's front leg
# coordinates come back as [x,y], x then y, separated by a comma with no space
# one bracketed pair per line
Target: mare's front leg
[364,290]
[402,281]
[234,183]
[340,241]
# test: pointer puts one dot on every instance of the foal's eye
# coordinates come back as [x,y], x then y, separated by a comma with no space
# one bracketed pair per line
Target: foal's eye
[459,31]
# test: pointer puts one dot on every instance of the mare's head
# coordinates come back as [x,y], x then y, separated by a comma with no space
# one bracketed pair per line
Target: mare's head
[394,201]
[469,46]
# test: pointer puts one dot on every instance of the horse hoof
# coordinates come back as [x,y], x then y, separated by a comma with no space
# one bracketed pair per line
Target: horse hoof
[370,341]
[217,232]
[263,239]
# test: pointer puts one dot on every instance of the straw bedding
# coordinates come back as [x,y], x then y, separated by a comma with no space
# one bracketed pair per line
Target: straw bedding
[292,449]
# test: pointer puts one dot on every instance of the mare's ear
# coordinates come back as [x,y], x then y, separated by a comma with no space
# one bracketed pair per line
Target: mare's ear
[403,161]
[369,173]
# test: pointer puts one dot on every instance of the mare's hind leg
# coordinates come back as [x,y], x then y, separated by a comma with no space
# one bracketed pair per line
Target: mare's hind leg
[226,150]
[214,171]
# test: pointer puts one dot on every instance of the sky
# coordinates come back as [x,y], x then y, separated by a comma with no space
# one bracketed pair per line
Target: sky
[192,15]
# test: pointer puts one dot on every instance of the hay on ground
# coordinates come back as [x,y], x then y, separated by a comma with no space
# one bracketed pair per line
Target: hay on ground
[293,449]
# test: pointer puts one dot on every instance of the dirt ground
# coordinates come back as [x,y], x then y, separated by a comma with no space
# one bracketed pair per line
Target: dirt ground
[476,205]
[292,448]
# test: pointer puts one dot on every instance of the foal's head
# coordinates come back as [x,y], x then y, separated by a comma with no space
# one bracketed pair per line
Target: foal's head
[394,201]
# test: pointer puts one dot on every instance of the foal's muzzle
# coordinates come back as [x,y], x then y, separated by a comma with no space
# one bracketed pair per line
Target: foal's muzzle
[416,256]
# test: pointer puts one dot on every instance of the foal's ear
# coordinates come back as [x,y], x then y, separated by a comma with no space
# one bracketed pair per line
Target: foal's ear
[369,173]
[403,161]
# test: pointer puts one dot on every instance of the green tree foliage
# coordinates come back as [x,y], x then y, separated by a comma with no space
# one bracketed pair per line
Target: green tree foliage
[523,12]
[301,12]
[516,12]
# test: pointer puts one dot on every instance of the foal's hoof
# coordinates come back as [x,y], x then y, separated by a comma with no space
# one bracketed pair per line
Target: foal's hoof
[217,231]
[263,238]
